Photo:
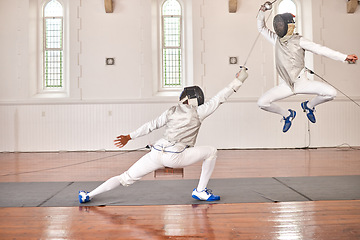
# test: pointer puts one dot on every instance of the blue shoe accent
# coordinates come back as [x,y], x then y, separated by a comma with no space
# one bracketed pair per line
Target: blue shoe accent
[84,197]
[309,112]
[213,198]
[288,120]
[196,197]
[205,195]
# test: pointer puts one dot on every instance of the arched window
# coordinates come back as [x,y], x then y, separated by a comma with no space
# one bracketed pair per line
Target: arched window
[290,6]
[287,6]
[53,54]
[171,44]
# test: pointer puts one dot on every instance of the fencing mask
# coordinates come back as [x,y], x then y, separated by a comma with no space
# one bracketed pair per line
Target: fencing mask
[281,22]
[194,95]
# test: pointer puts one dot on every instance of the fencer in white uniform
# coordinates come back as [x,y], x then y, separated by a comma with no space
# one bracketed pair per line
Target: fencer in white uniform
[177,147]
[290,65]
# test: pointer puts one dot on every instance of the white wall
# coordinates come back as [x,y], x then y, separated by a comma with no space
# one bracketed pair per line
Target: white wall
[105,101]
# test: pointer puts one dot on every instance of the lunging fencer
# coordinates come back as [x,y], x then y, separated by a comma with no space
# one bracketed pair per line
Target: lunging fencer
[177,147]
[290,65]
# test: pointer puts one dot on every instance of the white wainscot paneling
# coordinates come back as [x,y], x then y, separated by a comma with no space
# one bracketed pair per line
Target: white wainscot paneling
[77,127]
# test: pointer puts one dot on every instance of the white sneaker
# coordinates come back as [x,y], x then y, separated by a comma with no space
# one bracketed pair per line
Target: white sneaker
[205,195]
[83,197]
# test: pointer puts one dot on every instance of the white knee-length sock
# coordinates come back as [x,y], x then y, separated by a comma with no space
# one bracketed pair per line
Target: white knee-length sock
[106,186]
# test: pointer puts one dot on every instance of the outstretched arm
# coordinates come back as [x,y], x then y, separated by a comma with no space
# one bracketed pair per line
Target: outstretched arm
[148,127]
[210,106]
[325,51]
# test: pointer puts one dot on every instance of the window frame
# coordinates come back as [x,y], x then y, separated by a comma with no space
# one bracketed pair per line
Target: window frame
[162,87]
[43,88]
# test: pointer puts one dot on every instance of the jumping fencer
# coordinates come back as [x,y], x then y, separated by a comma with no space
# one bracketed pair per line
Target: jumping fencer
[177,147]
[290,65]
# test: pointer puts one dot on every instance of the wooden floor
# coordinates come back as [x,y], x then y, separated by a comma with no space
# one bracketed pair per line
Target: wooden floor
[326,220]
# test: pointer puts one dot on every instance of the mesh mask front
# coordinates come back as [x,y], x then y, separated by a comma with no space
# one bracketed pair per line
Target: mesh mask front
[193,92]
[281,22]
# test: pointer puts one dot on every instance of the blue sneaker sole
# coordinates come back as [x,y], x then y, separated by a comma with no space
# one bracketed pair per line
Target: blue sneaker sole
[288,125]
[310,116]
[210,199]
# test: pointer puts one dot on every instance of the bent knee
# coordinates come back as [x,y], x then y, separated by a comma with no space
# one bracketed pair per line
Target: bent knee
[330,94]
[263,103]
[126,180]
[211,153]
[333,93]
[214,152]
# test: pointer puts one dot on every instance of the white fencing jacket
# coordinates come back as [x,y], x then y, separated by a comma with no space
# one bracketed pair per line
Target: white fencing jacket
[289,54]
[182,122]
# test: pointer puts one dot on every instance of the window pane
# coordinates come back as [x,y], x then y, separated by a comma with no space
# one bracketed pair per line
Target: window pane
[53,32]
[53,45]
[172,32]
[172,67]
[171,44]
[53,9]
[171,7]
[287,6]
[53,68]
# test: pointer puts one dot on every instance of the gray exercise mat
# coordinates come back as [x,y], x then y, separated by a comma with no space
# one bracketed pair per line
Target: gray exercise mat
[178,192]
[29,194]
[326,188]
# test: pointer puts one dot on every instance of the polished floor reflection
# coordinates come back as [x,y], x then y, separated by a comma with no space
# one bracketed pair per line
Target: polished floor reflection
[324,220]
[312,220]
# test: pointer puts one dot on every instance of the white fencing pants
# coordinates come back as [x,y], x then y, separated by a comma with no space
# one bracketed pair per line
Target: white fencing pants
[303,85]
[156,160]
